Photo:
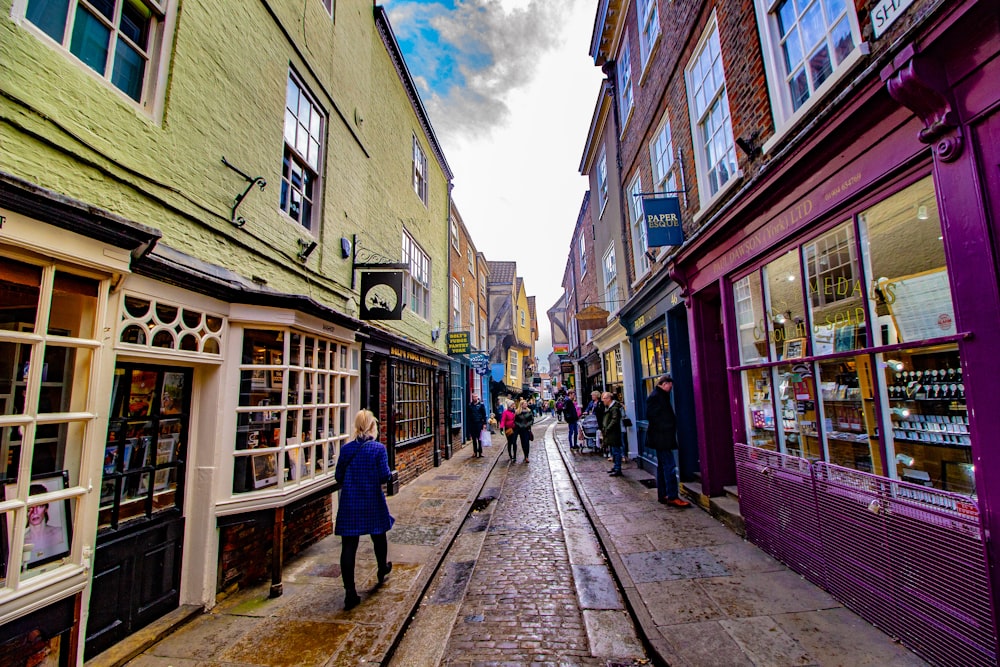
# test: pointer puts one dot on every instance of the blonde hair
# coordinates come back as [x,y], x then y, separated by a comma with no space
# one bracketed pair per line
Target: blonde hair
[522,405]
[365,424]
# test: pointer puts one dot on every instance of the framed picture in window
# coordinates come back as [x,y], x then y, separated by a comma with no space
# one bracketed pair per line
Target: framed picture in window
[258,376]
[844,337]
[795,348]
[276,374]
[265,470]
[47,526]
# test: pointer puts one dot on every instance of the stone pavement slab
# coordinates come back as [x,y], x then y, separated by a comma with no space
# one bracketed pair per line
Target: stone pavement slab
[307,625]
[702,595]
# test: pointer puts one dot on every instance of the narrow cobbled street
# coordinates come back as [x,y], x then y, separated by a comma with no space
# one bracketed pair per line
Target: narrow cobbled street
[537,592]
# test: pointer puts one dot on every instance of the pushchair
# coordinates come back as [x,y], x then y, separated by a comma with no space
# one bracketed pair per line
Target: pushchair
[588,424]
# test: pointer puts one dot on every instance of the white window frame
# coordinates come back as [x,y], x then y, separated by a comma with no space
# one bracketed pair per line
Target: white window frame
[303,148]
[162,20]
[661,158]
[648,15]
[330,6]
[419,170]
[483,333]
[472,263]
[417,282]
[640,240]
[785,116]
[454,236]
[522,317]
[456,305]
[512,364]
[601,173]
[482,285]
[472,321]
[583,255]
[610,269]
[625,98]
[700,94]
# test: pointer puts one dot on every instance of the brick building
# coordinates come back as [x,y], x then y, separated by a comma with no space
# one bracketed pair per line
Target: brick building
[829,312]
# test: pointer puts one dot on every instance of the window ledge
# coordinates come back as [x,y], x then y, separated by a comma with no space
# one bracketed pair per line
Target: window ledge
[797,119]
[708,205]
[252,501]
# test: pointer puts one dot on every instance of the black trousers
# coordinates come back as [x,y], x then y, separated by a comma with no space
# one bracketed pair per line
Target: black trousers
[525,443]
[349,551]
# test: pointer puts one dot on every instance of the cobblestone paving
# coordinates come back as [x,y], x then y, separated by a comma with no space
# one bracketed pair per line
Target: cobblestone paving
[521,606]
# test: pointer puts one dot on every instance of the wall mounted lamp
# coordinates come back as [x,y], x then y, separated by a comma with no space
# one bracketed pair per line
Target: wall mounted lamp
[749,145]
[306,247]
[345,247]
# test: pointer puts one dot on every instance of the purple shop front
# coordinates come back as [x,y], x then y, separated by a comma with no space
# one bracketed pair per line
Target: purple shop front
[855,281]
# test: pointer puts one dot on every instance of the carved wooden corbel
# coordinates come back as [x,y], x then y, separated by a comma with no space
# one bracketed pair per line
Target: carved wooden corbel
[917,82]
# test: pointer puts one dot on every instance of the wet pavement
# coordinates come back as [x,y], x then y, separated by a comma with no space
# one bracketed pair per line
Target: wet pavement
[528,578]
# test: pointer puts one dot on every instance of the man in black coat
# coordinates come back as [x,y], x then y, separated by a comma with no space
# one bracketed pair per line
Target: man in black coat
[662,436]
[477,420]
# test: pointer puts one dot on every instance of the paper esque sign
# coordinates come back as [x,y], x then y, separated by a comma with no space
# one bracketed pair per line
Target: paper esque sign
[663,221]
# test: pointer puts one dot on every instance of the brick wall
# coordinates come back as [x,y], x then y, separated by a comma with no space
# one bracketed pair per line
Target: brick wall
[246,548]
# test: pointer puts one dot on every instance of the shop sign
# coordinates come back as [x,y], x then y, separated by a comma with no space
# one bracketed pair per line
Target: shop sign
[480,362]
[459,342]
[409,355]
[663,221]
[560,350]
[592,317]
[885,13]
[381,295]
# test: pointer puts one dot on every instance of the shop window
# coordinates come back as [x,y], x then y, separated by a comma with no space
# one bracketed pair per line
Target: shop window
[750,319]
[48,335]
[613,367]
[413,402]
[457,395]
[786,312]
[150,322]
[928,418]
[796,400]
[120,40]
[850,428]
[836,292]
[295,407]
[146,444]
[757,398]
[909,289]
[654,358]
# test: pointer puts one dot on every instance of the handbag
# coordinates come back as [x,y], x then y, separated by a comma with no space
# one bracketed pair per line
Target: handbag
[531,436]
[509,431]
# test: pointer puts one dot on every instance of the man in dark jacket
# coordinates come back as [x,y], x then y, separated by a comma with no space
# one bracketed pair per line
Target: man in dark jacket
[662,436]
[572,417]
[477,420]
[611,427]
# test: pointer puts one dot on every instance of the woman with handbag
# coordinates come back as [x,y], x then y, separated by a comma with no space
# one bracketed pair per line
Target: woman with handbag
[509,430]
[362,469]
[523,420]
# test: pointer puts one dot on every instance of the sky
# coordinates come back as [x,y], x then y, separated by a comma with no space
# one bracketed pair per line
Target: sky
[510,88]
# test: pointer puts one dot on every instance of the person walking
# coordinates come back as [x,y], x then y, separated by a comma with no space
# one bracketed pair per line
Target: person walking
[509,430]
[572,417]
[662,437]
[362,469]
[477,422]
[612,428]
[524,419]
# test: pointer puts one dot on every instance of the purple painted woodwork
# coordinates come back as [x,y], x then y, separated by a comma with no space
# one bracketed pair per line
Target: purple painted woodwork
[908,558]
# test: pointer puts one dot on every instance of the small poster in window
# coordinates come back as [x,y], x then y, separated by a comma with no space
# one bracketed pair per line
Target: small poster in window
[110,459]
[172,394]
[141,393]
[265,470]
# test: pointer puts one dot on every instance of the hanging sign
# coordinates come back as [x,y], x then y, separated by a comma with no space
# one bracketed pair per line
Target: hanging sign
[561,350]
[498,372]
[663,221]
[480,361]
[381,295]
[459,342]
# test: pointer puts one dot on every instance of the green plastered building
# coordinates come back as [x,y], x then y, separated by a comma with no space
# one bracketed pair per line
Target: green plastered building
[223,230]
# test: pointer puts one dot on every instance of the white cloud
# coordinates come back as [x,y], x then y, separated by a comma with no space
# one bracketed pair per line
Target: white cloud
[515,134]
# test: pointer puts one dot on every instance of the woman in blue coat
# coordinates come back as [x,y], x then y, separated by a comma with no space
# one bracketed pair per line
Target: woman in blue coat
[362,469]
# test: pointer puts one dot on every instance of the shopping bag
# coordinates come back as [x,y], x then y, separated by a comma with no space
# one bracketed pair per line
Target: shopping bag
[484,438]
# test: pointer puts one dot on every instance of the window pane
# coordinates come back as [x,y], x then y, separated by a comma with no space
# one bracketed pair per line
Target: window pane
[128,70]
[798,87]
[842,40]
[786,310]
[910,292]
[760,408]
[820,66]
[105,7]
[848,421]
[90,41]
[797,403]
[930,441]
[135,23]
[749,300]
[19,292]
[793,50]
[812,25]
[836,292]
[49,16]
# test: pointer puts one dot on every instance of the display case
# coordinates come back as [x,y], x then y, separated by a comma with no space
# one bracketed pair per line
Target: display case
[850,428]
[929,420]
[757,397]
